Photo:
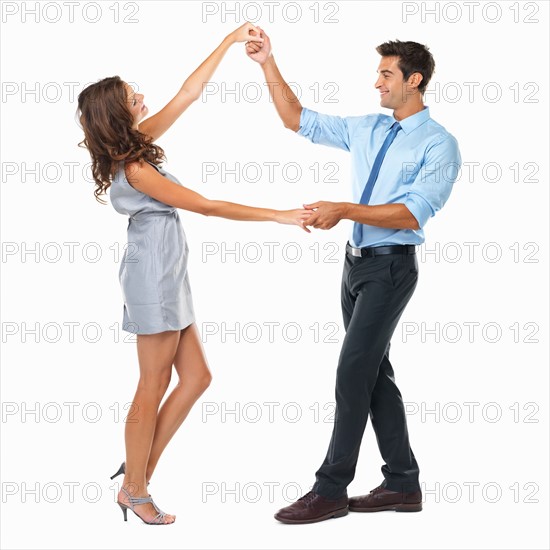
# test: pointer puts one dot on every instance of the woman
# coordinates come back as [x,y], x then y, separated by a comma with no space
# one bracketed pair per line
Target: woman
[153,272]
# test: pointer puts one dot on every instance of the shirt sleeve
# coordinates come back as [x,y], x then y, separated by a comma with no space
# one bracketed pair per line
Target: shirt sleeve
[324,129]
[434,181]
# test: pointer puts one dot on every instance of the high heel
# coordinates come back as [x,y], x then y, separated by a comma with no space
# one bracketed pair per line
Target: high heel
[157,520]
[124,510]
[121,470]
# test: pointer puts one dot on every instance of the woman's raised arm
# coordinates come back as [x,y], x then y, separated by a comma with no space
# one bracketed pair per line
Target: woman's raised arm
[192,88]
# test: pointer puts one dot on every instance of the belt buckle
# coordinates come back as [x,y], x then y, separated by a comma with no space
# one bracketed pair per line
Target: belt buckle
[356,252]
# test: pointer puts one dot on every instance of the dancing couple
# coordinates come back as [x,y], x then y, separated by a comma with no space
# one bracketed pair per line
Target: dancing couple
[379,277]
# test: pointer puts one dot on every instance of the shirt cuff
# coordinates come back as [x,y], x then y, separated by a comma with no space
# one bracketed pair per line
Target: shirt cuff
[419,208]
[307,121]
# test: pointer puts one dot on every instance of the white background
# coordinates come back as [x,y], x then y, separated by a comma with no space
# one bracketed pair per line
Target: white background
[467,453]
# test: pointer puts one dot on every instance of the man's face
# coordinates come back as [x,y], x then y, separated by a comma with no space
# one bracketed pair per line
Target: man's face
[393,90]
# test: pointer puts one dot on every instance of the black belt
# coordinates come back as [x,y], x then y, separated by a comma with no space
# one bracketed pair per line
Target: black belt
[371,251]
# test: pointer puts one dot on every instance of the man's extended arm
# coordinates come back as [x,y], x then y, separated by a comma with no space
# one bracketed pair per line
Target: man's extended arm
[287,104]
[393,216]
[426,195]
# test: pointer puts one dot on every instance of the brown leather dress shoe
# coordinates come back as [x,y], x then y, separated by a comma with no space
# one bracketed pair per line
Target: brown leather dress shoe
[313,507]
[381,499]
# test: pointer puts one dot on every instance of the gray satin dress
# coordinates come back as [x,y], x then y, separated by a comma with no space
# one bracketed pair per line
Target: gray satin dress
[153,271]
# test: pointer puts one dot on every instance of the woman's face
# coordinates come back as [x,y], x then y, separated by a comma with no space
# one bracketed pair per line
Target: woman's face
[135,103]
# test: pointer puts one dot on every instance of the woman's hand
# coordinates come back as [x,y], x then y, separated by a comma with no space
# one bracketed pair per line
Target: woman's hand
[247,33]
[297,217]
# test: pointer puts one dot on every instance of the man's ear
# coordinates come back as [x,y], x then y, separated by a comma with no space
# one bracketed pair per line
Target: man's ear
[414,80]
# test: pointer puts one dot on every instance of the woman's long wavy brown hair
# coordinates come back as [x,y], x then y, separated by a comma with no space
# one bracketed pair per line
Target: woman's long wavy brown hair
[108,134]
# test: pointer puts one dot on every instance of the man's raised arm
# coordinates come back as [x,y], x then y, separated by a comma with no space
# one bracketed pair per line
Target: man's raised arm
[287,104]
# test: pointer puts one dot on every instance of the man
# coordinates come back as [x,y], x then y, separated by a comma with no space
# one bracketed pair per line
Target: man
[403,167]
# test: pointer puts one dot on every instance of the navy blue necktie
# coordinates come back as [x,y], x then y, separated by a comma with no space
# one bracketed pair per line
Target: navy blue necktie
[365,197]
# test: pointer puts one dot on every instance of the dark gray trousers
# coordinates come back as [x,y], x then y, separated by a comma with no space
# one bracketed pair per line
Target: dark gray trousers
[375,292]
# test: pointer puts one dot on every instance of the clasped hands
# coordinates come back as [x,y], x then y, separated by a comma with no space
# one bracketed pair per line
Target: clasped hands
[324,214]
[321,215]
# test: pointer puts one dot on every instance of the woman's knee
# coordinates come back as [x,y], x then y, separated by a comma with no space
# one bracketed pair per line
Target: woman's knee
[199,382]
[202,381]
[206,380]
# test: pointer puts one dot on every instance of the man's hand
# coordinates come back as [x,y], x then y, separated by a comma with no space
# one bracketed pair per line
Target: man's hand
[257,51]
[326,214]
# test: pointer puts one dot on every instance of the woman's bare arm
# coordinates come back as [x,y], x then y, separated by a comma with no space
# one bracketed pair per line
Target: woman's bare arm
[192,88]
[146,179]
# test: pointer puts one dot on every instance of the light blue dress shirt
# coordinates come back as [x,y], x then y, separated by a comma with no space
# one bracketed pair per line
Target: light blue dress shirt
[419,168]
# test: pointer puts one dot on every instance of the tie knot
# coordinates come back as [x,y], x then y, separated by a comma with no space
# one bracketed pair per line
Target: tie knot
[395,127]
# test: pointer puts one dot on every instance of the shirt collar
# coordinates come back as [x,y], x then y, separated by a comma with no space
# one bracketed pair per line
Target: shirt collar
[411,122]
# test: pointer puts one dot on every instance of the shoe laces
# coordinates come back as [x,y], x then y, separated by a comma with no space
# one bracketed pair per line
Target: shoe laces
[308,497]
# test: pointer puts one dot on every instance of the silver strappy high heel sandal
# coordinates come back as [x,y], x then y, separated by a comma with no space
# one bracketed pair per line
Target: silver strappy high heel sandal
[157,520]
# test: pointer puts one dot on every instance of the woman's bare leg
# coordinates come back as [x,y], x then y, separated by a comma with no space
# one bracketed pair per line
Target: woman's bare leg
[194,377]
[155,354]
